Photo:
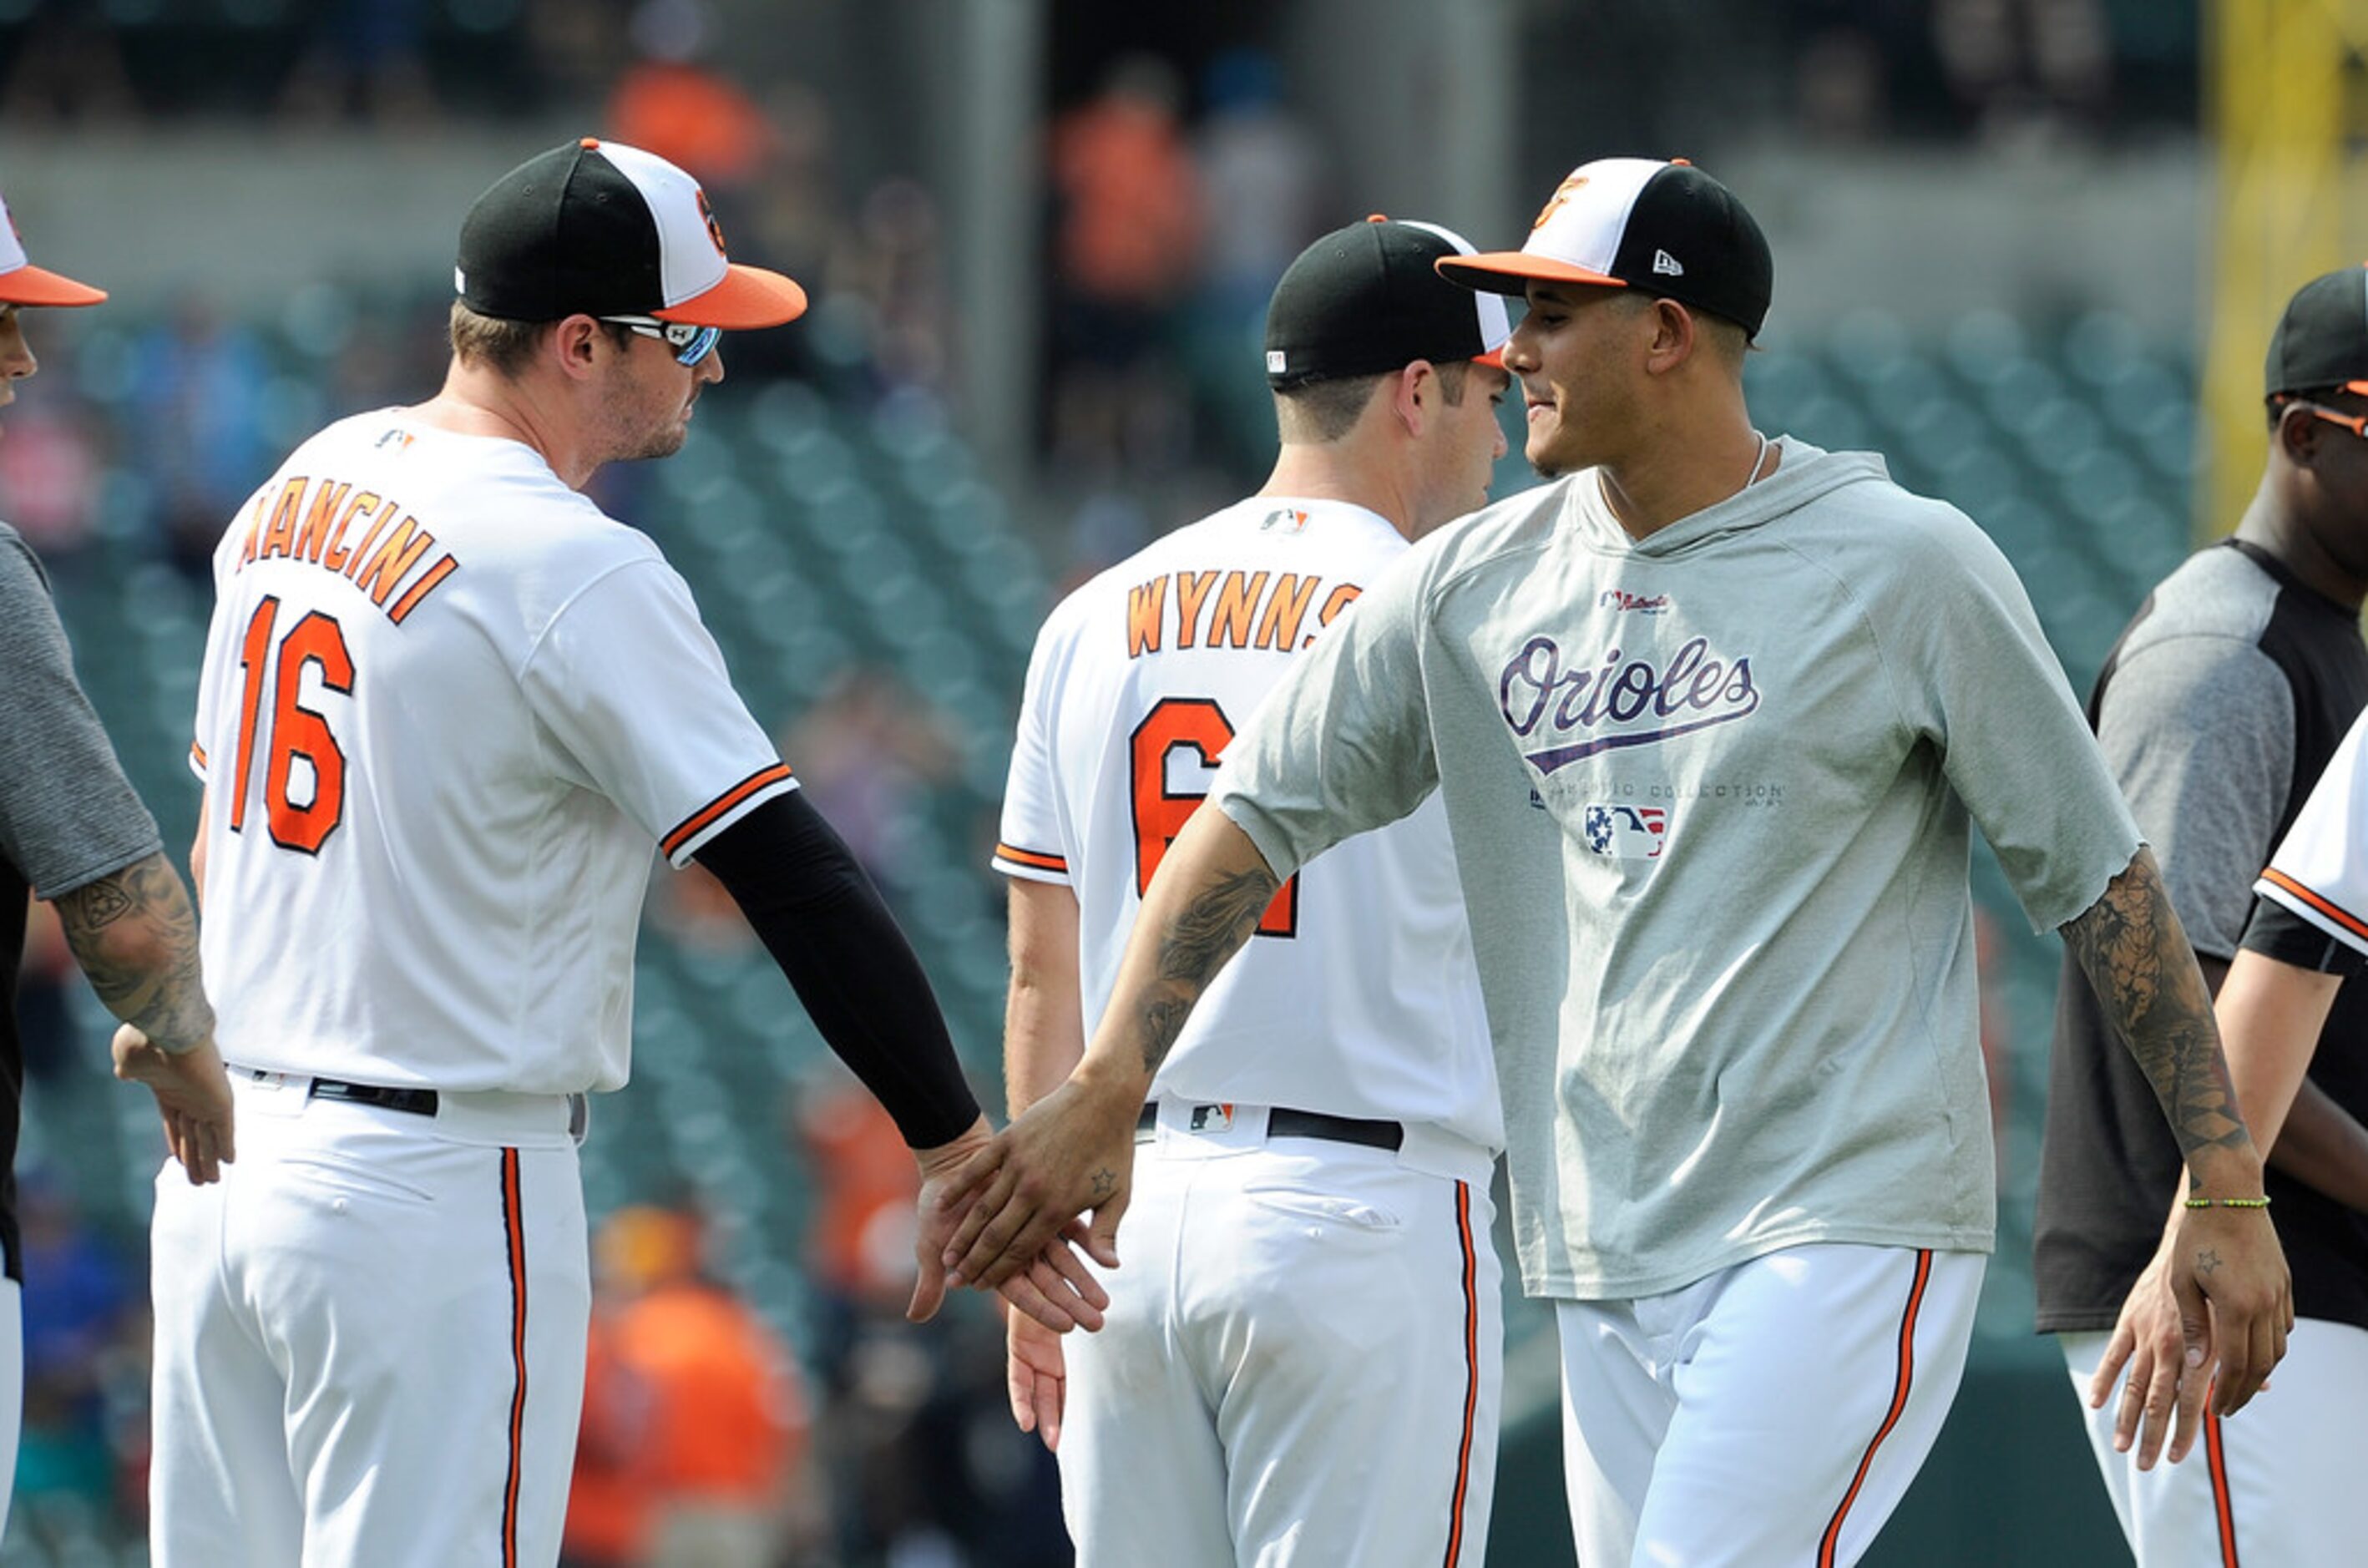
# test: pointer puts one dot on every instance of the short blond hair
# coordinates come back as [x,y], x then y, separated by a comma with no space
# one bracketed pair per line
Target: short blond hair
[501,345]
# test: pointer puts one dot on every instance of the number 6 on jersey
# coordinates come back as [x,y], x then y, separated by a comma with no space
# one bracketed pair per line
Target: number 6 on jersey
[296,732]
[1198,724]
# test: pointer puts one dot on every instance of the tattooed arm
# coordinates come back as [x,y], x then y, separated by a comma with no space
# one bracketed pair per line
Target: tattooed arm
[1073,1150]
[136,938]
[2217,1291]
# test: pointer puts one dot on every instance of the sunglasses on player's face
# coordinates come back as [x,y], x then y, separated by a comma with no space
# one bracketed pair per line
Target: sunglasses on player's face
[690,344]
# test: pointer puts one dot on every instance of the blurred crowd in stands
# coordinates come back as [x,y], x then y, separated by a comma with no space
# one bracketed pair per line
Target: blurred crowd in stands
[1176,193]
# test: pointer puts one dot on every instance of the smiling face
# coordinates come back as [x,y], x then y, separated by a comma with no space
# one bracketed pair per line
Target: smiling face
[1577,353]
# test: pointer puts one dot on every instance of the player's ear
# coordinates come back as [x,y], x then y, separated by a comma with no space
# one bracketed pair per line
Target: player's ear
[1672,341]
[1414,394]
[576,342]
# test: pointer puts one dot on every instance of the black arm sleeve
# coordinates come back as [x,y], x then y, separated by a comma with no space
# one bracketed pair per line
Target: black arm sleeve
[848,961]
[2278,932]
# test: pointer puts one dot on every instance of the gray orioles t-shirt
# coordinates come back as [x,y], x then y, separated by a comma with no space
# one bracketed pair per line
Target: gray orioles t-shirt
[67,817]
[1709,793]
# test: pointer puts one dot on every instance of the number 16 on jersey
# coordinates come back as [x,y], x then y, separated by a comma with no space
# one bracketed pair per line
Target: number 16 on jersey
[302,811]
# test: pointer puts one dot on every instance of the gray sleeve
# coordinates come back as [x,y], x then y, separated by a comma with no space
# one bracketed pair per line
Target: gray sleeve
[2198,730]
[67,814]
[1342,744]
[1981,683]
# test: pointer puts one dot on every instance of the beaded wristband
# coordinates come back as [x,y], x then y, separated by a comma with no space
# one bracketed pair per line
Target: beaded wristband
[2228,1202]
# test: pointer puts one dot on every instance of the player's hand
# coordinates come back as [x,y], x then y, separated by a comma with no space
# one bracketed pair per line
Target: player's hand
[1055,1289]
[2163,1395]
[1036,1375]
[192,1096]
[1071,1153]
[2231,1257]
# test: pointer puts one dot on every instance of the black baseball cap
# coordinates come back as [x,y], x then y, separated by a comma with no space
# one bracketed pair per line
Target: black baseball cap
[2321,343]
[609,230]
[1368,299]
[1666,229]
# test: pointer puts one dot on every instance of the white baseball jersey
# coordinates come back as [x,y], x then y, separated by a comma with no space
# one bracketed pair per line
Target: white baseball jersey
[1358,995]
[448,706]
[2320,872]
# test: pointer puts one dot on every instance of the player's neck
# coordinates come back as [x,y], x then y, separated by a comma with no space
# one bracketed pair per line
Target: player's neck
[2281,531]
[1667,480]
[477,401]
[1343,470]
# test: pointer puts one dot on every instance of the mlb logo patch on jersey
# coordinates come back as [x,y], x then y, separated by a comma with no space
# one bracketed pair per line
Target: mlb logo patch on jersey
[1626,832]
[1288,519]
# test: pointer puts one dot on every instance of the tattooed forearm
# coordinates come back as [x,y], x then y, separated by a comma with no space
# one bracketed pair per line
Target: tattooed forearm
[136,938]
[2136,957]
[1194,948]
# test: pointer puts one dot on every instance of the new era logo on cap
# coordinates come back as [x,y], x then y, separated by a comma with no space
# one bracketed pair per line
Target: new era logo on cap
[1622,223]
[608,230]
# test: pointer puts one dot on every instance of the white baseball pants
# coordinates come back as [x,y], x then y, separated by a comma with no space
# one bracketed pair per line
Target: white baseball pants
[1302,1362]
[1770,1416]
[2276,1485]
[369,1337]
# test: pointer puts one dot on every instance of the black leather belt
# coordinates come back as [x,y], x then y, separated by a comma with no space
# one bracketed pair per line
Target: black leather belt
[418,1102]
[1284,1122]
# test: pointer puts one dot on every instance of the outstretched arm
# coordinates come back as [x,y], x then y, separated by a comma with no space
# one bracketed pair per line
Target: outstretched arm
[2223,1266]
[1073,1151]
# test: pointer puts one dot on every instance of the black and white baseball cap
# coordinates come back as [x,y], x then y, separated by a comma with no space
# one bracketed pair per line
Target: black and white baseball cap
[609,230]
[2321,343]
[1368,299]
[1660,228]
[22,283]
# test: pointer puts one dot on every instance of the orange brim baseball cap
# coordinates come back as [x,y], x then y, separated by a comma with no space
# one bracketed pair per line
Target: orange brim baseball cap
[1662,228]
[22,283]
[608,230]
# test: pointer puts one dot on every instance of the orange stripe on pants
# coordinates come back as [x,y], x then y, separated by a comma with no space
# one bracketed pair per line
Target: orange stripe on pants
[1471,1370]
[1903,1380]
[2224,1504]
[514,1222]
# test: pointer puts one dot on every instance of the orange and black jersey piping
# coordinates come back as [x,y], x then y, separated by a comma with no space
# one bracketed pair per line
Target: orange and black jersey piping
[1039,864]
[682,839]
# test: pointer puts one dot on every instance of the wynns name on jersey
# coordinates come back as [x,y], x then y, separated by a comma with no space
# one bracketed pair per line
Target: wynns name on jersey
[1230,610]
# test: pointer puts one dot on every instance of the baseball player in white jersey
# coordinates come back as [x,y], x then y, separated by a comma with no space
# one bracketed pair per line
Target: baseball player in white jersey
[447,707]
[1712,716]
[1303,1357]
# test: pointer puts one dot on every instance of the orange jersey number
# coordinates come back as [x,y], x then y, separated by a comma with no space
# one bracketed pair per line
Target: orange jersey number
[1198,724]
[296,732]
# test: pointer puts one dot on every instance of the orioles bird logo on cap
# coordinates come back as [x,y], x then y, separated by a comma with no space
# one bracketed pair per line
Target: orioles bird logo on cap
[714,229]
[1562,193]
